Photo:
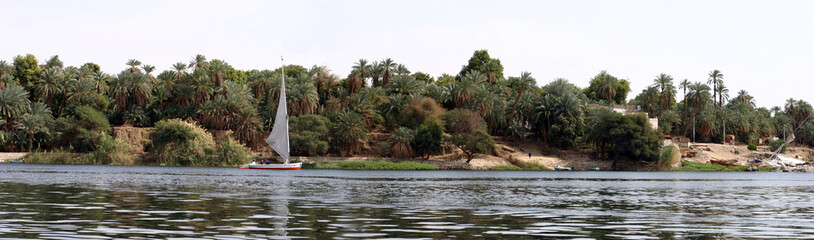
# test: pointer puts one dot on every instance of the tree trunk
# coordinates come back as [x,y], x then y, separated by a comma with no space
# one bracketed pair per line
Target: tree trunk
[511,115]
[661,103]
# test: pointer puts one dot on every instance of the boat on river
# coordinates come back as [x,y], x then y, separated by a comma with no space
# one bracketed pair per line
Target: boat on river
[278,139]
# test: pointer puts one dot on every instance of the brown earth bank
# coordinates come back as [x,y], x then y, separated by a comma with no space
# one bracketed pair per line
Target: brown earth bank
[512,152]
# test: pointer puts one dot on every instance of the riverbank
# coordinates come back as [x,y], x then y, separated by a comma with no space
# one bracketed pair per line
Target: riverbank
[509,155]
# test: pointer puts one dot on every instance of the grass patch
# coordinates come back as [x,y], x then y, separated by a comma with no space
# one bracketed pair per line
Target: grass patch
[506,168]
[667,154]
[55,157]
[687,166]
[376,165]
[528,166]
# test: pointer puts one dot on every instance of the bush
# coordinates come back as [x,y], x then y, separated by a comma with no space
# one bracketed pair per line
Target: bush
[463,121]
[111,151]
[774,144]
[233,153]
[180,143]
[309,135]
[377,165]
[617,135]
[418,110]
[427,139]
[666,154]
[752,147]
[81,129]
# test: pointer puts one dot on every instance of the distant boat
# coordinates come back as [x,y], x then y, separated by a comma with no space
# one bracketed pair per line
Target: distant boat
[564,168]
[278,139]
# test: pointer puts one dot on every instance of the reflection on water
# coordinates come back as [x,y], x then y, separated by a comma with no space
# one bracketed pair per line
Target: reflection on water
[96,202]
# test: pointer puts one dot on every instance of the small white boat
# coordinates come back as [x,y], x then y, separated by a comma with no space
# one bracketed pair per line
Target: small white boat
[278,139]
[273,166]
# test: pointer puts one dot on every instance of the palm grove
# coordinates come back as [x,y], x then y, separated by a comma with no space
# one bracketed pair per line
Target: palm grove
[49,106]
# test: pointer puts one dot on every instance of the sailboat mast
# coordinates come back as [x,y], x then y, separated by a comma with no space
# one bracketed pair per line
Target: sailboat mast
[288,146]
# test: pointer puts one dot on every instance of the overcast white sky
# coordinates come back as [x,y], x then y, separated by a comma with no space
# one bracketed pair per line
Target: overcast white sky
[764,47]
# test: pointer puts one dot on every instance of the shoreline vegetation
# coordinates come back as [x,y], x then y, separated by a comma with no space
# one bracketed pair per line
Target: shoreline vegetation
[382,115]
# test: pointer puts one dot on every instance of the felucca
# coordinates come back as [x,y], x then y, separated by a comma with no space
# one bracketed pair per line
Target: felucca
[278,139]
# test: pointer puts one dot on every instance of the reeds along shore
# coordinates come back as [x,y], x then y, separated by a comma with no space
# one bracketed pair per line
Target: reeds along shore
[47,106]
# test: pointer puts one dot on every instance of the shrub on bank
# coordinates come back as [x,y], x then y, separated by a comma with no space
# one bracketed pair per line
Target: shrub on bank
[52,157]
[752,147]
[233,153]
[111,151]
[181,143]
[377,165]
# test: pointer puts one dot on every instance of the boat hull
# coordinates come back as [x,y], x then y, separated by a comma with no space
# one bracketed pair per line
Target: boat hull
[290,166]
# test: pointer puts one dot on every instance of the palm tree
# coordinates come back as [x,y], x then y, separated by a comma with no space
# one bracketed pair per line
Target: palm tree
[462,91]
[376,71]
[217,68]
[180,69]
[302,95]
[101,80]
[723,94]
[360,67]
[50,84]
[402,70]
[406,85]
[744,97]
[148,69]
[715,77]
[608,88]
[198,62]
[525,80]
[662,81]
[133,63]
[131,85]
[389,67]
[37,119]
[349,131]
[700,97]
[53,62]
[4,68]
[400,142]
[13,104]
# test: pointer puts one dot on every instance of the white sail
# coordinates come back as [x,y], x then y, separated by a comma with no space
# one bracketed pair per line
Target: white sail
[278,139]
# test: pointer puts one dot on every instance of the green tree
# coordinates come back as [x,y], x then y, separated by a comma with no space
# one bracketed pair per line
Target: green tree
[619,136]
[428,138]
[481,62]
[26,71]
[37,119]
[13,104]
[389,67]
[309,135]
[664,82]
[525,80]
[606,87]
[53,62]
[478,142]
[559,114]
[462,91]
[715,78]
[423,77]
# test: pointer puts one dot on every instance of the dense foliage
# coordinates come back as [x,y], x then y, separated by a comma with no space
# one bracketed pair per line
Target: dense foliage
[46,105]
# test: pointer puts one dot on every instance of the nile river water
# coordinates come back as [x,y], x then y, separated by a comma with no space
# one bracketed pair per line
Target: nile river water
[99,202]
